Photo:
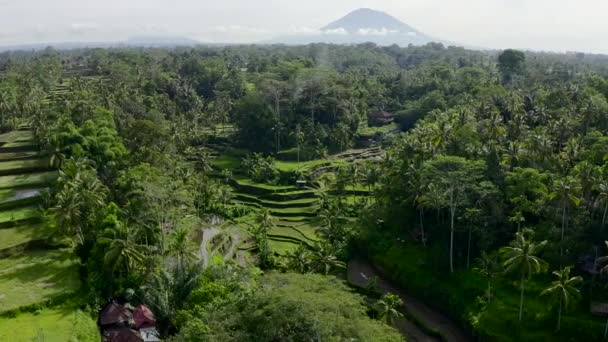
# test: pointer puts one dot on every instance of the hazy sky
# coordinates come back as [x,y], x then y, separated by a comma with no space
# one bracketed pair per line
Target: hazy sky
[537,24]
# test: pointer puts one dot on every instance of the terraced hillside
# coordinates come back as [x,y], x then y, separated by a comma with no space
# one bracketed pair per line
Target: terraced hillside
[33,272]
[295,209]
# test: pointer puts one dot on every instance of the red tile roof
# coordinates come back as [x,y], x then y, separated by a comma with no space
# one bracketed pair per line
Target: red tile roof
[144,317]
[115,314]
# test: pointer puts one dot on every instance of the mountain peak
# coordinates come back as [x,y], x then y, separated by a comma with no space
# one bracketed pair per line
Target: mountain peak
[365,19]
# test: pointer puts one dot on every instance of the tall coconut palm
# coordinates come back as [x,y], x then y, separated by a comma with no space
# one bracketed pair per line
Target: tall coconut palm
[181,247]
[300,259]
[564,191]
[600,261]
[324,258]
[563,290]
[123,253]
[521,257]
[603,196]
[388,308]
[488,268]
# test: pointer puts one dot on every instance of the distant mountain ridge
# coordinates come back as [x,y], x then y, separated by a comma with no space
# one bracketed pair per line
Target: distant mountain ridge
[361,26]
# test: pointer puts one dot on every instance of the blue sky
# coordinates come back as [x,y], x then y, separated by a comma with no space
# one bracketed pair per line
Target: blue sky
[558,25]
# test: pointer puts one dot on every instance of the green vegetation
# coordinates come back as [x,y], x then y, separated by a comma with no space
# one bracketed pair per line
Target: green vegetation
[36,277]
[182,173]
[10,237]
[57,324]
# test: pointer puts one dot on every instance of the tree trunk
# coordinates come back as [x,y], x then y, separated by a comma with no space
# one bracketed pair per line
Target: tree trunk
[559,315]
[452,214]
[469,247]
[604,216]
[489,294]
[561,247]
[606,330]
[521,297]
[420,214]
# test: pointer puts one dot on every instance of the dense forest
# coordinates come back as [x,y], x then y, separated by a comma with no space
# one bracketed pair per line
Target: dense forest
[239,192]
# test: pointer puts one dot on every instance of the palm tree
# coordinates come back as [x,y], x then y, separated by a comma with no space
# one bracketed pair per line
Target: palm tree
[562,290]
[180,246]
[324,258]
[488,268]
[521,258]
[388,308]
[123,253]
[300,259]
[564,190]
[599,261]
[472,215]
[603,196]
[260,233]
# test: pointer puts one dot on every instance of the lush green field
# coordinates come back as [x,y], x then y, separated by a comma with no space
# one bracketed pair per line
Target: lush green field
[27,180]
[19,214]
[36,276]
[15,236]
[17,165]
[16,136]
[57,324]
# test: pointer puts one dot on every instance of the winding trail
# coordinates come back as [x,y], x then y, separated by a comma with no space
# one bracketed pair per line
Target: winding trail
[208,235]
[361,273]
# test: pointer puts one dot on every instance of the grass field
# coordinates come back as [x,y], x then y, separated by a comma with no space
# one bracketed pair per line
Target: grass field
[58,324]
[16,136]
[19,214]
[27,180]
[15,236]
[36,276]
[17,165]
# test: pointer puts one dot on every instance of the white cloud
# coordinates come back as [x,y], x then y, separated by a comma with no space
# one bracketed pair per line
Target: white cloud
[375,32]
[303,30]
[238,29]
[339,31]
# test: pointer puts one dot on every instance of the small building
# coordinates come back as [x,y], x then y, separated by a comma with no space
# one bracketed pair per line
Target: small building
[122,335]
[116,315]
[143,317]
[123,323]
[381,118]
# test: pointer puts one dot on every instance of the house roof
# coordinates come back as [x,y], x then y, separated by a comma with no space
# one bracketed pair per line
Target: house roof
[114,313]
[122,335]
[143,317]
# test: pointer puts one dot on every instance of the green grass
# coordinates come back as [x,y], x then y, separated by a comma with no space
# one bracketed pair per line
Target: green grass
[15,236]
[26,180]
[227,162]
[292,233]
[19,214]
[419,270]
[24,143]
[269,187]
[302,202]
[282,247]
[54,324]
[36,277]
[16,136]
[16,165]
[364,130]
[16,155]
[302,166]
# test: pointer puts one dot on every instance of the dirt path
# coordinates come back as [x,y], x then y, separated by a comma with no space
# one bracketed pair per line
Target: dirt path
[360,273]
[208,234]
